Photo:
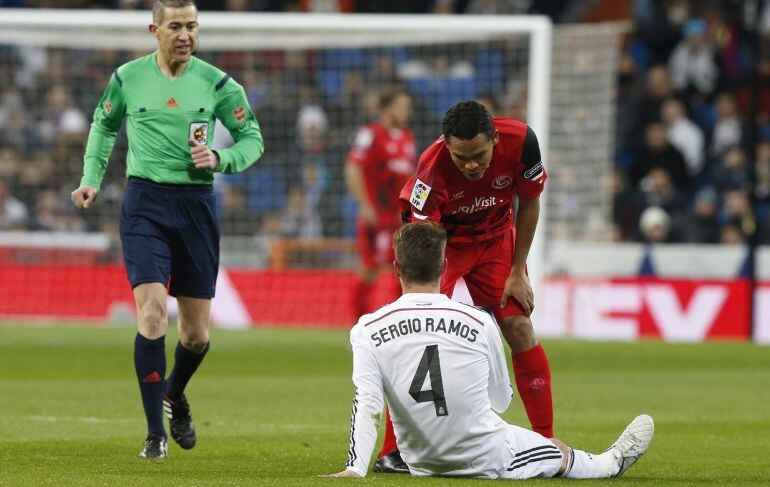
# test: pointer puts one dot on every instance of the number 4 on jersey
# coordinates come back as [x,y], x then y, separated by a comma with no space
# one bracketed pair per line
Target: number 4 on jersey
[430,363]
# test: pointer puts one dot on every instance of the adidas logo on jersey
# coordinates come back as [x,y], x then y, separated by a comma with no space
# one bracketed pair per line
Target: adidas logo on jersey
[171,103]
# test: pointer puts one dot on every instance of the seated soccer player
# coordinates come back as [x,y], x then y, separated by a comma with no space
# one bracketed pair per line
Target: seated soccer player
[442,368]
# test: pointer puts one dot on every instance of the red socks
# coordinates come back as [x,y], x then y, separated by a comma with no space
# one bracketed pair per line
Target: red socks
[533,380]
[389,443]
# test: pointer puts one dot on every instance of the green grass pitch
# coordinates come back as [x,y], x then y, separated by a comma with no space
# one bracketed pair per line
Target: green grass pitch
[272,408]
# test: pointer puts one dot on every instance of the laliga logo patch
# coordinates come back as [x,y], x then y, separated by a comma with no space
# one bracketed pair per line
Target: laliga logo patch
[420,194]
[199,131]
[501,181]
[108,107]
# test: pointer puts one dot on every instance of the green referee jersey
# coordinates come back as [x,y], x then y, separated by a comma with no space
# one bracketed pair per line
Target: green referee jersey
[163,115]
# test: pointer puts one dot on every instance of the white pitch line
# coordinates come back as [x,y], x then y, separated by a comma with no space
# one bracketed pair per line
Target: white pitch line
[75,419]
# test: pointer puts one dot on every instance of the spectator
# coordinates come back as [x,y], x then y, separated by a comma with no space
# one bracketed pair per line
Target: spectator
[234,216]
[52,213]
[702,226]
[731,171]
[61,117]
[737,211]
[17,133]
[299,219]
[630,92]
[11,100]
[655,225]
[730,234]
[684,135]
[315,161]
[658,25]
[648,107]
[659,153]
[659,190]
[692,64]
[13,213]
[10,164]
[761,172]
[728,130]
[627,206]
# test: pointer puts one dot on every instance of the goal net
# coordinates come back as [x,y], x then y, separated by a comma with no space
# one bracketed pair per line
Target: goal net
[288,225]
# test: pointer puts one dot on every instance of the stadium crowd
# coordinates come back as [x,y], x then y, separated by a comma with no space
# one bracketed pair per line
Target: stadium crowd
[685,168]
[688,168]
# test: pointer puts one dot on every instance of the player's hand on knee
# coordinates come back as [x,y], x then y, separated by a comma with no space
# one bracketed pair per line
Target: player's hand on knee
[517,286]
[344,473]
[84,196]
[202,156]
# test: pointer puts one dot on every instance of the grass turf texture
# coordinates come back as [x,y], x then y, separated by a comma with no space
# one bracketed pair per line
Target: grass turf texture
[272,408]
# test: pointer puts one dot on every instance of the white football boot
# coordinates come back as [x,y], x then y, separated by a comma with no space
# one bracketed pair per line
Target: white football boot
[633,442]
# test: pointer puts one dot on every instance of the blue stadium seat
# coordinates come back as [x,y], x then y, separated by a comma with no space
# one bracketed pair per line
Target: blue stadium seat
[265,191]
[349,212]
[345,59]
[490,74]
[331,82]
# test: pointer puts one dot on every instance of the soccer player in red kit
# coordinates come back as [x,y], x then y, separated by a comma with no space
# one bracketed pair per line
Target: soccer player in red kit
[467,181]
[380,162]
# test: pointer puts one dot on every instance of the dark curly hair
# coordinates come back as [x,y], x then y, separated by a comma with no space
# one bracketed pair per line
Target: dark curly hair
[466,120]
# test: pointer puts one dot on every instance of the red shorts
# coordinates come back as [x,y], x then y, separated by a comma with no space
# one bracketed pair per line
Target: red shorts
[375,246]
[485,266]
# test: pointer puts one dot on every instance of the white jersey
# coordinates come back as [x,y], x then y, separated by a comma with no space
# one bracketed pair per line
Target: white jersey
[442,368]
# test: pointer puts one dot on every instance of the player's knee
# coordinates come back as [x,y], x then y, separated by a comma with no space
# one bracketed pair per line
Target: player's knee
[518,332]
[153,319]
[565,452]
[195,342]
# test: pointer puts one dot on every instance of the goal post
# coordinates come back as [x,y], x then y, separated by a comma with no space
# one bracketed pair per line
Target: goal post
[286,222]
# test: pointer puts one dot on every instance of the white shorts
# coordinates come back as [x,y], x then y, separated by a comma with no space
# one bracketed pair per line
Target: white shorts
[532,454]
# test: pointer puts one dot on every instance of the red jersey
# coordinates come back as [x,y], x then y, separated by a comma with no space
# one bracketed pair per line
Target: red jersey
[473,211]
[386,157]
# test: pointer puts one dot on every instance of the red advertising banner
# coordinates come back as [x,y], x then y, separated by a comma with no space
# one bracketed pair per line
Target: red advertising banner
[680,310]
[94,293]
[615,309]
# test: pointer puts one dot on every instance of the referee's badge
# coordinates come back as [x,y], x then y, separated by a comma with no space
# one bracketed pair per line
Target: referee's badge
[199,131]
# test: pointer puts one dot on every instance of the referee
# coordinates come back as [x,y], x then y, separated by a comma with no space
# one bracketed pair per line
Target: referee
[168,223]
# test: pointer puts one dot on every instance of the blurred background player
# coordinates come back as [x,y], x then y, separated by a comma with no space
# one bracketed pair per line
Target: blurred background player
[467,181]
[446,424]
[378,165]
[168,226]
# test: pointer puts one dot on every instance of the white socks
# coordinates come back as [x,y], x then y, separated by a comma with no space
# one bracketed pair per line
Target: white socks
[584,465]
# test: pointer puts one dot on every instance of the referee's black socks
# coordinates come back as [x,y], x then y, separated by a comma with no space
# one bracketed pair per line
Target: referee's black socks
[186,362]
[150,363]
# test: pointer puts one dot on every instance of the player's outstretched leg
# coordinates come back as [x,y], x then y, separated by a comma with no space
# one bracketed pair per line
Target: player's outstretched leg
[532,372]
[633,442]
[629,447]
